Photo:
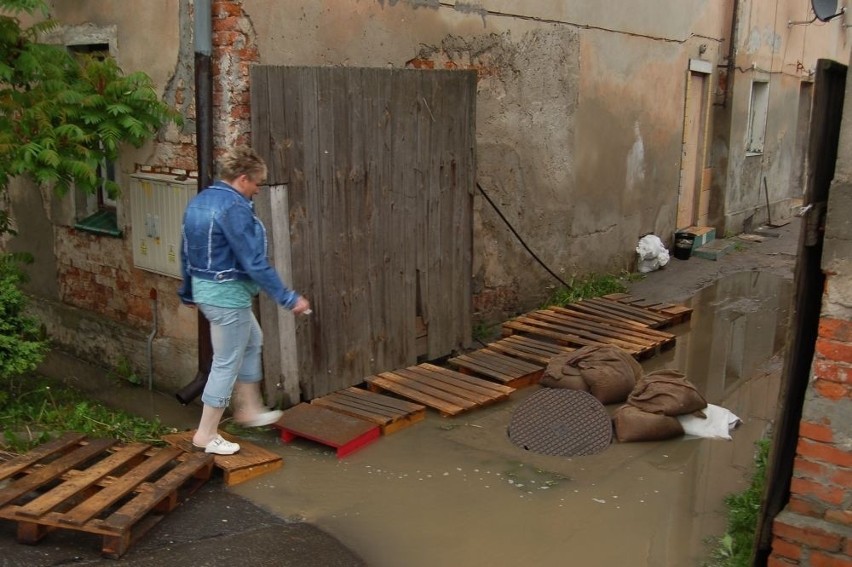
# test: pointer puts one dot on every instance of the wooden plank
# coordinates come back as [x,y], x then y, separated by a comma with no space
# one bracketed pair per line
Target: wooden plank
[626,326]
[21,462]
[444,384]
[638,337]
[80,482]
[387,420]
[627,310]
[417,392]
[470,382]
[591,309]
[153,494]
[89,492]
[343,432]
[531,326]
[54,470]
[249,462]
[575,327]
[123,485]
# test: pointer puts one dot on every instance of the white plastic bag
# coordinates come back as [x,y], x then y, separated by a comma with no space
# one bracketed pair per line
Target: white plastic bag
[717,425]
[653,255]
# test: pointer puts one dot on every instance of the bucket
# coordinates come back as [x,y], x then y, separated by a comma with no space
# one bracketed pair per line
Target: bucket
[683,245]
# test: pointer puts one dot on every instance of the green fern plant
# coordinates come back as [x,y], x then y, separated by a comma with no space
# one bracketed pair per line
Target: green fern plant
[62,115]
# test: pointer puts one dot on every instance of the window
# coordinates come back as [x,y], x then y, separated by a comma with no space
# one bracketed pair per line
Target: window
[97,213]
[758,109]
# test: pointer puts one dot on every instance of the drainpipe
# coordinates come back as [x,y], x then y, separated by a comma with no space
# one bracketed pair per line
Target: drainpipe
[732,42]
[203,32]
[153,296]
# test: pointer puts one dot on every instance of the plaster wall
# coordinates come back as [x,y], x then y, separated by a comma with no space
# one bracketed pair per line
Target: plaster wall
[579,116]
[579,121]
[773,43]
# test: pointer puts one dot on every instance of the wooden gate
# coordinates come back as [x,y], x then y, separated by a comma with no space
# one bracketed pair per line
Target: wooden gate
[371,175]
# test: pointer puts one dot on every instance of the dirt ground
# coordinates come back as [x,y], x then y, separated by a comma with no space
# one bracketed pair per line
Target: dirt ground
[457,491]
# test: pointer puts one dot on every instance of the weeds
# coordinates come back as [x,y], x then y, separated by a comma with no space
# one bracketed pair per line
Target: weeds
[34,410]
[735,548]
[589,287]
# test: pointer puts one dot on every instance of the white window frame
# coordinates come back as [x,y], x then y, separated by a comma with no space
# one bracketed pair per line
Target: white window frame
[758,113]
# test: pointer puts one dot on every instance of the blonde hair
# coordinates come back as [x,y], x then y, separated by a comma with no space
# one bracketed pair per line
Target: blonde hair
[242,160]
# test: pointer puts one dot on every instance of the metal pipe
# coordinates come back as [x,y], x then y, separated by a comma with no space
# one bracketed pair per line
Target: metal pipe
[203,40]
[153,296]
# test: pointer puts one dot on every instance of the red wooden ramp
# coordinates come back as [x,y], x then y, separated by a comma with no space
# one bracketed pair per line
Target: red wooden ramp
[342,432]
[390,414]
[445,390]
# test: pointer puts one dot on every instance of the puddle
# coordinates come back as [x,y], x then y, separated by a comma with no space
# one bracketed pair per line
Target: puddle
[456,491]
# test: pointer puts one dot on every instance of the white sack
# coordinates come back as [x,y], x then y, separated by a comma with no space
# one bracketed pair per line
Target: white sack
[653,255]
[717,425]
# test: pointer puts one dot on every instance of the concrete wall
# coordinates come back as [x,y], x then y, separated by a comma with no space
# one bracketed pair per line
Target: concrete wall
[580,115]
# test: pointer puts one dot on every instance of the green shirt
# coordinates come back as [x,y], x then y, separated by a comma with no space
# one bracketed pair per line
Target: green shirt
[234,293]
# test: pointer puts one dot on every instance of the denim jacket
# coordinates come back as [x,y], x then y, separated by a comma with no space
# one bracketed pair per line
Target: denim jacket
[223,240]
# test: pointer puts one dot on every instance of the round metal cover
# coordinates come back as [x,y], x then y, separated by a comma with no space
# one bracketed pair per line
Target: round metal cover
[566,423]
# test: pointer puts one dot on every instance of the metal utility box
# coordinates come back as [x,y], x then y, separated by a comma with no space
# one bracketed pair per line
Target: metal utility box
[157,203]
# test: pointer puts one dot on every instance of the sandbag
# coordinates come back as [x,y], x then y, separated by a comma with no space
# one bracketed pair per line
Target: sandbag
[607,372]
[632,424]
[666,392]
[559,374]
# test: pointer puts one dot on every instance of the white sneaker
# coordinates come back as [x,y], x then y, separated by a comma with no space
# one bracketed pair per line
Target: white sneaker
[261,419]
[219,446]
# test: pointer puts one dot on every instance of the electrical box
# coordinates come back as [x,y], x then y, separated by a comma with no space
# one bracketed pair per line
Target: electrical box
[157,203]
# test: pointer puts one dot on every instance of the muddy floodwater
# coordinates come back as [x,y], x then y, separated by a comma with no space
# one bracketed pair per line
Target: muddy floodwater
[456,491]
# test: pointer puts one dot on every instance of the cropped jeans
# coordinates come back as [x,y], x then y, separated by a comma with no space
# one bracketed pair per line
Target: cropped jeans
[237,339]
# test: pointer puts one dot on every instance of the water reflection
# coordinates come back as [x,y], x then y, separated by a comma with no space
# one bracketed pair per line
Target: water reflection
[737,324]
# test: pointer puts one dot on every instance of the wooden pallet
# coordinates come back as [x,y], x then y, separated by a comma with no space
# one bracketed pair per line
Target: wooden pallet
[620,312]
[390,414]
[528,348]
[500,367]
[579,328]
[346,434]
[97,486]
[251,461]
[676,313]
[445,390]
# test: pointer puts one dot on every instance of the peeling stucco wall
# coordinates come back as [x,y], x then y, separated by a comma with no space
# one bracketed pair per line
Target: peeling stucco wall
[579,118]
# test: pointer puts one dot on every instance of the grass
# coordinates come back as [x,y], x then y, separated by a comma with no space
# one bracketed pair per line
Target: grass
[735,547]
[34,409]
[589,287]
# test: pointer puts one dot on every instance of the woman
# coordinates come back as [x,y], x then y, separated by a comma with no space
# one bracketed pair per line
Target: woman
[224,263]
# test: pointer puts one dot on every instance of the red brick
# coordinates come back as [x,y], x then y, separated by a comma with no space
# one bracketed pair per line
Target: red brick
[809,469]
[774,561]
[841,477]
[832,371]
[808,536]
[824,452]
[834,350]
[833,495]
[786,549]
[840,517]
[816,431]
[806,506]
[847,549]
[818,559]
[832,390]
[836,329]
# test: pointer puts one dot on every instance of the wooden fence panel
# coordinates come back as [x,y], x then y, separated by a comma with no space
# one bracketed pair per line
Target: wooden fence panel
[378,167]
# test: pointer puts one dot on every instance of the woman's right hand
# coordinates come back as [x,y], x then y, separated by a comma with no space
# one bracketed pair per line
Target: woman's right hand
[302,306]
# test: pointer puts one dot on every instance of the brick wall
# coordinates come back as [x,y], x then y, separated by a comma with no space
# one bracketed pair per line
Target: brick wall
[815,528]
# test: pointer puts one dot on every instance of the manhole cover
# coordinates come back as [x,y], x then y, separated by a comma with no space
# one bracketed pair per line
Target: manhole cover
[561,422]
